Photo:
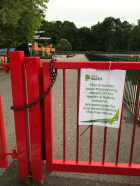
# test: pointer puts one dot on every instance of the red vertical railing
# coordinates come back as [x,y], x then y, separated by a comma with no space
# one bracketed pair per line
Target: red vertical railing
[3,157]
[19,93]
[33,86]
[78,93]
[90,151]
[82,166]
[135,122]
[5,66]
[64,117]
[48,116]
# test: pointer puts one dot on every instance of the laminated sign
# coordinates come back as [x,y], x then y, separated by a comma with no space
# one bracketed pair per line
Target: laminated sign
[101,96]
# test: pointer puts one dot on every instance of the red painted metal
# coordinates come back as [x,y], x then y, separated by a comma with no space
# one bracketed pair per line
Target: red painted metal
[48,116]
[96,65]
[135,122]
[119,131]
[1,63]
[33,86]
[3,158]
[5,66]
[84,166]
[35,76]
[90,152]
[64,116]
[96,167]
[13,154]
[104,146]
[18,83]
[78,93]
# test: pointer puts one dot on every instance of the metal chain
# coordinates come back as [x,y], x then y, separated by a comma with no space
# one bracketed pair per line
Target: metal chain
[53,75]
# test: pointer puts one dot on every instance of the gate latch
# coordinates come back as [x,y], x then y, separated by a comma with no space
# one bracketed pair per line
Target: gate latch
[14,154]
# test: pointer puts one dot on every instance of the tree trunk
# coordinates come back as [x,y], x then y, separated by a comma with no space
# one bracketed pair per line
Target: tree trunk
[8,49]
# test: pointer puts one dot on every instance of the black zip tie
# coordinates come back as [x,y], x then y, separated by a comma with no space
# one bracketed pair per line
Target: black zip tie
[85,130]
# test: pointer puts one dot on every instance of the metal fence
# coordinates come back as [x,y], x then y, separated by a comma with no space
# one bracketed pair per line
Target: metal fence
[132,77]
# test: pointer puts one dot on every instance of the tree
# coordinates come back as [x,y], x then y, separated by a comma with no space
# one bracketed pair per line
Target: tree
[64,45]
[19,20]
[69,31]
[138,22]
[51,30]
[109,35]
[135,42]
[84,34]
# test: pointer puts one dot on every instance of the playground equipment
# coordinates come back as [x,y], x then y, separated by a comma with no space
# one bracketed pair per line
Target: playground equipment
[49,50]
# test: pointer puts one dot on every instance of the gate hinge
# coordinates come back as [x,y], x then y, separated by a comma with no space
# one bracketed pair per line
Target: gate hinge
[14,154]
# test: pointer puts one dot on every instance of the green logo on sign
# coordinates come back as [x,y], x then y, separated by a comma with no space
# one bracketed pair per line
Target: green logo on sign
[87,77]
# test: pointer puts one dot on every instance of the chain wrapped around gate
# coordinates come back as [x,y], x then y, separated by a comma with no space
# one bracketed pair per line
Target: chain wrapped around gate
[53,75]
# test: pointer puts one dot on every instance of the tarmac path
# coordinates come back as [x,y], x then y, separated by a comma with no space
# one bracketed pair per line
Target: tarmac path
[64,178]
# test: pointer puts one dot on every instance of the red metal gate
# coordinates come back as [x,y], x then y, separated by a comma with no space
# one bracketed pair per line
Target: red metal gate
[5,66]
[86,166]
[35,134]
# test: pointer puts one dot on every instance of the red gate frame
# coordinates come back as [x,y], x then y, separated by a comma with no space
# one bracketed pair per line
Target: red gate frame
[3,157]
[5,66]
[86,166]
[38,136]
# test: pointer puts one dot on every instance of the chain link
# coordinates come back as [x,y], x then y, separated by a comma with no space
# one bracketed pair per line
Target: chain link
[53,74]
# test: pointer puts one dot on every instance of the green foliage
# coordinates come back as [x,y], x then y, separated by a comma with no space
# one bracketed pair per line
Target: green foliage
[64,45]
[37,53]
[19,20]
[109,35]
[43,53]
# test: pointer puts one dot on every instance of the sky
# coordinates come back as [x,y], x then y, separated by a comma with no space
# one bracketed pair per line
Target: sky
[89,12]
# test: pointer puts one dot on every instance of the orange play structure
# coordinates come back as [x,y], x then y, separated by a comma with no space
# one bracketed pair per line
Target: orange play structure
[48,49]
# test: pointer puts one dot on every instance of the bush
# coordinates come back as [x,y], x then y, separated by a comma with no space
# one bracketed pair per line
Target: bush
[64,45]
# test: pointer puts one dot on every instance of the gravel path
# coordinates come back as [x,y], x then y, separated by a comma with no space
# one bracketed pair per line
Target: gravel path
[98,133]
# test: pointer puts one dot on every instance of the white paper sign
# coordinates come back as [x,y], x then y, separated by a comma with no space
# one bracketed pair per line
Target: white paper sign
[101,94]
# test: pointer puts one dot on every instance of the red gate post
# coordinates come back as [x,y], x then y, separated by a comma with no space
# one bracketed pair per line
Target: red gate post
[48,116]
[3,157]
[18,83]
[33,86]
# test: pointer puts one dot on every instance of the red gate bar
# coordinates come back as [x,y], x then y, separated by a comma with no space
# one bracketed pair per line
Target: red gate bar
[97,65]
[78,93]
[64,117]
[18,83]
[90,151]
[33,86]
[104,145]
[135,121]
[3,158]
[48,115]
[96,167]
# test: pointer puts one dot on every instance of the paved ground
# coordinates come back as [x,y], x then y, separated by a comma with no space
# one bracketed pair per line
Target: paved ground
[9,176]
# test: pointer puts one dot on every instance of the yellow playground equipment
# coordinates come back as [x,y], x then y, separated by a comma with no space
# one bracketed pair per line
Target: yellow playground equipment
[48,49]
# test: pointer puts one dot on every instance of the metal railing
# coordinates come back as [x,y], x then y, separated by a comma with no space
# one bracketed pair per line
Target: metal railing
[132,77]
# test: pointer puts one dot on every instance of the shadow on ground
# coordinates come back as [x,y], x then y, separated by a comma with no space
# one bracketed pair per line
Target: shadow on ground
[11,178]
